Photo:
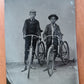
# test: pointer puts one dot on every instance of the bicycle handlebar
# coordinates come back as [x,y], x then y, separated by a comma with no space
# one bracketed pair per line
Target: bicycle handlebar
[51,36]
[31,36]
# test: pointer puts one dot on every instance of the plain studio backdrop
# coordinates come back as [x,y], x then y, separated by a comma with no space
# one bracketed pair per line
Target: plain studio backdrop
[16,11]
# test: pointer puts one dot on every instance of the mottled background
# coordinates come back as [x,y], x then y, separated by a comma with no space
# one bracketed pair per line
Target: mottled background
[16,11]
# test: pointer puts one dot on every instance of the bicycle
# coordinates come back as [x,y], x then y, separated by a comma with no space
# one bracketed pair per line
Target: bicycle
[31,52]
[63,53]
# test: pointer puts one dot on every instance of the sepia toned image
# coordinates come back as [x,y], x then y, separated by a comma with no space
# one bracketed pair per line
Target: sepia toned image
[40,39]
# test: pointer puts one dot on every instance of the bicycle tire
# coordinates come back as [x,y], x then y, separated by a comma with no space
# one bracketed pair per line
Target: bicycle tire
[41,55]
[30,60]
[50,64]
[65,61]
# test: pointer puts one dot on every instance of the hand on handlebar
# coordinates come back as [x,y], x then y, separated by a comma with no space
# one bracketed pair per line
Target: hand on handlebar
[53,36]
[31,35]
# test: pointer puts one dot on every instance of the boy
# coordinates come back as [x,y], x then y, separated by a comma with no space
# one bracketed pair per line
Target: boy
[31,26]
[52,29]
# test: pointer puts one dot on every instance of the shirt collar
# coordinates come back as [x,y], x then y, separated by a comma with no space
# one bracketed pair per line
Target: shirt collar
[53,24]
[32,19]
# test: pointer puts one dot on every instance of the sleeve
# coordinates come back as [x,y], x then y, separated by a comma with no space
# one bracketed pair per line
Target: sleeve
[59,31]
[38,29]
[24,28]
[45,32]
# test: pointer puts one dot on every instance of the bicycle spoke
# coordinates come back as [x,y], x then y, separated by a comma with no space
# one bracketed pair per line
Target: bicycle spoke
[65,52]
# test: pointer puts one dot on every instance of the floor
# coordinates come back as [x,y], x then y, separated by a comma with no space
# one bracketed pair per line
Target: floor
[64,74]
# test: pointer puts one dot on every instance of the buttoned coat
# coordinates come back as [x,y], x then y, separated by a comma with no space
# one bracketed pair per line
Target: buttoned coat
[31,27]
[48,31]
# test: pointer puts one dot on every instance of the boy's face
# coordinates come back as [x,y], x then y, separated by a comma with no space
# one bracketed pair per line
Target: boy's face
[53,20]
[32,15]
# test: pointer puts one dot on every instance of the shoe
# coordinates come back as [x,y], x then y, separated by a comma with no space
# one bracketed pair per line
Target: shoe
[54,68]
[24,69]
[45,69]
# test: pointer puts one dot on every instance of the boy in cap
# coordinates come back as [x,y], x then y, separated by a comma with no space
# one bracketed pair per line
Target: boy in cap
[52,29]
[31,26]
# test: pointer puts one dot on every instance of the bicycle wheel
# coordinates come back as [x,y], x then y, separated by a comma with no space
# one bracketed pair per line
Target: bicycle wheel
[41,53]
[50,60]
[65,52]
[30,60]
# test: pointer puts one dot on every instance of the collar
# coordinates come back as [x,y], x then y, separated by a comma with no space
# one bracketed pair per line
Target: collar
[53,24]
[32,19]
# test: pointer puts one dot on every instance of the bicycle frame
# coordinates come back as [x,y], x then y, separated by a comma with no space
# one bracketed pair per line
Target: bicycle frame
[31,35]
[30,53]
[61,42]
[53,36]
[48,55]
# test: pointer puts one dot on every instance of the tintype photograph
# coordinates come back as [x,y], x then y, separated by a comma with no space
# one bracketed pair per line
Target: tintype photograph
[40,39]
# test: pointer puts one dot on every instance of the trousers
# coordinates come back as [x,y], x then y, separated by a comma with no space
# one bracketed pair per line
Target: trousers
[27,47]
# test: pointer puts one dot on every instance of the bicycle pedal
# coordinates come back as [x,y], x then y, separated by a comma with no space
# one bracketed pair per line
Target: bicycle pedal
[33,67]
[45,69]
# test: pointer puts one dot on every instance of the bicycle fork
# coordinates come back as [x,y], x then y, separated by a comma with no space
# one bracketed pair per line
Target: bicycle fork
[30,56]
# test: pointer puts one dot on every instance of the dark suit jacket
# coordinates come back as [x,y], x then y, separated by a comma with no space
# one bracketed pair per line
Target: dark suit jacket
[48,31]
[31,27]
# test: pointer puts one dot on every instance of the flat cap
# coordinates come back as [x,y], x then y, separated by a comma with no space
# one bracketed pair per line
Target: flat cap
[32,11]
